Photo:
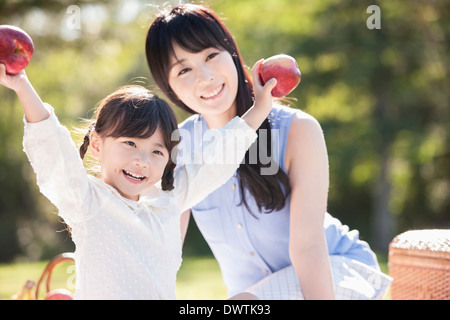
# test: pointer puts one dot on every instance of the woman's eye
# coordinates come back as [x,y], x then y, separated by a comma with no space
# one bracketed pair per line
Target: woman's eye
[211,56]
[185,70]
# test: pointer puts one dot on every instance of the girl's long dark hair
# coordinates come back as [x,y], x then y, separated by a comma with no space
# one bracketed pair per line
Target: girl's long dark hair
[196,28]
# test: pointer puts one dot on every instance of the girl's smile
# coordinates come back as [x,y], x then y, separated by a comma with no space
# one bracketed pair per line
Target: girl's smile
[133,177]
[130,164]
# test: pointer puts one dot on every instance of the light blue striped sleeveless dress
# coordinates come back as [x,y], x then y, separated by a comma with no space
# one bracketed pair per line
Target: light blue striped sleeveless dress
[250,249]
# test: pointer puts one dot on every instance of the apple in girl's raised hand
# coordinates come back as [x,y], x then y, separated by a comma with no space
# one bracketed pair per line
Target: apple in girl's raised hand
[16,48]
[284,68]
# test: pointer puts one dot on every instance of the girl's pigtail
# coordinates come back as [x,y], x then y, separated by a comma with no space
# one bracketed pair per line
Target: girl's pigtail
[86,141]
[167,178]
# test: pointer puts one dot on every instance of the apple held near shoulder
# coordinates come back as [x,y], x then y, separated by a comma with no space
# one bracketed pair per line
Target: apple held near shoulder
[59,294]
[16,48]
[284,68]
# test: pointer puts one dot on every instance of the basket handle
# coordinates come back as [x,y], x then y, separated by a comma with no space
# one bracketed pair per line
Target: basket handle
[67,256]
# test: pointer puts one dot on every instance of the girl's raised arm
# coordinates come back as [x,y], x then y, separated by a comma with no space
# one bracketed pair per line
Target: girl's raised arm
[256,115]
[59,169]
[32,105]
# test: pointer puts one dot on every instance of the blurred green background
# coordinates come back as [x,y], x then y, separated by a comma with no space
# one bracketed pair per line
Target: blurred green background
[381,96]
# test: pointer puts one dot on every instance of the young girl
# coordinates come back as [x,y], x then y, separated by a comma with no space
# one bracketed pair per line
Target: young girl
[267,226]
[126,223]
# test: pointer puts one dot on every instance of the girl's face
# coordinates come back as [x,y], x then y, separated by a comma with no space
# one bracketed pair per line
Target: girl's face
[130,165]
[207,81]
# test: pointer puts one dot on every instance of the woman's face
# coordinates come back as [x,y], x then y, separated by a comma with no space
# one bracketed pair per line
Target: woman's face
[207,81]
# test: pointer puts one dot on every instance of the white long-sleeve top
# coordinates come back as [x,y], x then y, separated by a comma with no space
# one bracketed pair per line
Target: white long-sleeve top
[126,249]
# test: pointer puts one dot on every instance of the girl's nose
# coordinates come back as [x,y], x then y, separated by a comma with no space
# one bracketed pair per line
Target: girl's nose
[142,161]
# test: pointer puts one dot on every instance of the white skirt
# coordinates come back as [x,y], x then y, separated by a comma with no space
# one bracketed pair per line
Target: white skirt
[352,280]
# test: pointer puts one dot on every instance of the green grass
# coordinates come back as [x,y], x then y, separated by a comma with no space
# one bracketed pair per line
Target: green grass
[14,276]
[199,278]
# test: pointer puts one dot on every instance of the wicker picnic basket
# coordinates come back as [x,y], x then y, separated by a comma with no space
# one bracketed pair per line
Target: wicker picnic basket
[30,291]
[60,258]
[419,263]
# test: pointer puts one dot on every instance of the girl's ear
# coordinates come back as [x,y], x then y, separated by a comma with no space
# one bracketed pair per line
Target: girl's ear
[95,144]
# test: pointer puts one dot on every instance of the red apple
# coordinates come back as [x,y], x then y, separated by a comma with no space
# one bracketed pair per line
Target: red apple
[59,294]
[284,68]
[16,48]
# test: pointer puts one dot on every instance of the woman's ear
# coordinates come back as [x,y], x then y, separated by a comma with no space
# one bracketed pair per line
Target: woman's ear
[95,144]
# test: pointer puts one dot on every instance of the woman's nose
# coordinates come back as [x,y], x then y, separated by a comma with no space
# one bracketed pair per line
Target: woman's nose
[205,75]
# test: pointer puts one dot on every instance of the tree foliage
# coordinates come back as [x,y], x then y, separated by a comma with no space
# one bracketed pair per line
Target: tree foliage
[379,94]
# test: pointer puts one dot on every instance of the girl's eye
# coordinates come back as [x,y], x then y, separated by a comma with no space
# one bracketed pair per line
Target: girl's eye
[211,56]
[158,152]
[130,143]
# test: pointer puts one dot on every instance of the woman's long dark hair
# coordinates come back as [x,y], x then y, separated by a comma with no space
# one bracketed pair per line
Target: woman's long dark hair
[195,28]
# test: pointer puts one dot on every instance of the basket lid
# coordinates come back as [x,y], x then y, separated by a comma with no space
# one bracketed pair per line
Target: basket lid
[430,242]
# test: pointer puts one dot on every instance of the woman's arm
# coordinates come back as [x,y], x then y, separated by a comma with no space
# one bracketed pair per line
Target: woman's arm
[32,105]
[307,166]
[184,224]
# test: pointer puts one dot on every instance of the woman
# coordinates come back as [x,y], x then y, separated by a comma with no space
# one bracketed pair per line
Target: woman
[269,221]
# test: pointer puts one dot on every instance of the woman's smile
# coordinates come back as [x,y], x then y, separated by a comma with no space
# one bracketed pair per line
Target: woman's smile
[214,93]
[205,81]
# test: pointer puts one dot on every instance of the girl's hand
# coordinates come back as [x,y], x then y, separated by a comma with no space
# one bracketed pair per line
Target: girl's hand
[13,82]
[32,105]
[256,115]
[263,92]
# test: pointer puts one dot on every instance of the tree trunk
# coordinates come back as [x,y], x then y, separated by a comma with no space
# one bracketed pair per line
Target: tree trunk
[382,222]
